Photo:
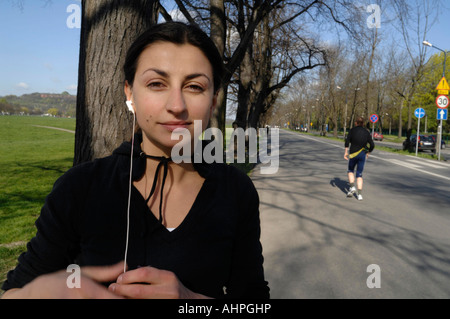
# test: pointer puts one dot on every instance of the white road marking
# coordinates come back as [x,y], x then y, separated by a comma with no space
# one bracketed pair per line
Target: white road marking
[410,166]
[430,164]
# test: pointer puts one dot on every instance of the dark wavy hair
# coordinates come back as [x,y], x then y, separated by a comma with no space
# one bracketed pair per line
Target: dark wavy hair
[359,121]
[178,33]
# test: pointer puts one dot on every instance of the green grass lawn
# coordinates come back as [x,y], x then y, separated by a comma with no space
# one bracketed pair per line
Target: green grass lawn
[31,159]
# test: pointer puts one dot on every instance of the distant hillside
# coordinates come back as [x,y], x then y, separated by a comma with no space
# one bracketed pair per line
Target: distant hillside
[62,104]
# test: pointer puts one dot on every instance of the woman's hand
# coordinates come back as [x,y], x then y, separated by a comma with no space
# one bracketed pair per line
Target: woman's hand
[54,285]
[151,283]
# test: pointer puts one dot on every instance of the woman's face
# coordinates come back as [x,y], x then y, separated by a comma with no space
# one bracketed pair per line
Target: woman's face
[173,86]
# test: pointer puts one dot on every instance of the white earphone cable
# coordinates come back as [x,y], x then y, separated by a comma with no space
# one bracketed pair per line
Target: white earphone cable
[129,195]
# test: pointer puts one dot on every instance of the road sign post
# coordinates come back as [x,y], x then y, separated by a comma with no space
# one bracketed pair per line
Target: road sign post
[443,87]
[374,119]
[419,113]
[442,103]
[439,140]
[442,114]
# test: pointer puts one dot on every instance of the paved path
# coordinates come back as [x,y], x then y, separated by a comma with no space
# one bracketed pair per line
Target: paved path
[56,128]
[318,243]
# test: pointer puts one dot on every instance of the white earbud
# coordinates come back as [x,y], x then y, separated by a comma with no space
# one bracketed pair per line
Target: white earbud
[130,106]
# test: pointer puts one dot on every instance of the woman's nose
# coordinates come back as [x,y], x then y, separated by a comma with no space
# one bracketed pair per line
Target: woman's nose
[176,102]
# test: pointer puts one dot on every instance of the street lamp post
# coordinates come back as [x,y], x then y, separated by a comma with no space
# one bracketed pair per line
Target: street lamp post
[445,53]
[439,139]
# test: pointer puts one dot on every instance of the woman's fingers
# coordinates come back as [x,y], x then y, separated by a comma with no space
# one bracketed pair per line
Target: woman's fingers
[149,275]
[147,282]
[103,273]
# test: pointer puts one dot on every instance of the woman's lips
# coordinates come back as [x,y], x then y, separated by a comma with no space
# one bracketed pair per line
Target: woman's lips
[173,125]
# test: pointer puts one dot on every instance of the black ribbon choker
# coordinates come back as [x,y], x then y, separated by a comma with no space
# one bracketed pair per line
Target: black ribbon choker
[163,161]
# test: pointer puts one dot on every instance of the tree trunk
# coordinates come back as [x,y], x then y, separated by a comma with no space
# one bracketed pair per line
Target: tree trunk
[218,34]
[335,126]
[245,81]
[262,72]
[367,109]
[108,29]
[259,10]
[409,99]
[400,121]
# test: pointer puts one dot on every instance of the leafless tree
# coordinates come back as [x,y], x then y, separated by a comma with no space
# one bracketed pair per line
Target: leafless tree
[415,19]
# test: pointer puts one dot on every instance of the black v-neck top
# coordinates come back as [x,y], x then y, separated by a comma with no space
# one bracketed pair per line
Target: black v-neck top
[215,251]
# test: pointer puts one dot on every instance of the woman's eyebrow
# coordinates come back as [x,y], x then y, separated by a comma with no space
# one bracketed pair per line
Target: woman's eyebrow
[160,72]
[196,75]
[166,75]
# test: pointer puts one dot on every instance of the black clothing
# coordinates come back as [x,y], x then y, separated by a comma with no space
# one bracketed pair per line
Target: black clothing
[163,161]
[84,222]
[359,137]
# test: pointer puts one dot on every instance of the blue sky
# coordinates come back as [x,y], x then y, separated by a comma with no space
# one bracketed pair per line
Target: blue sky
[39,51]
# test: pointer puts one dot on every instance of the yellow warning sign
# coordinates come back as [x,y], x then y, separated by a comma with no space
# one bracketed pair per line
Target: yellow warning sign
[443,85]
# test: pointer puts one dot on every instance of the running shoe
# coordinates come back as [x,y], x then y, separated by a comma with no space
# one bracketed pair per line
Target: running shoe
[351,191]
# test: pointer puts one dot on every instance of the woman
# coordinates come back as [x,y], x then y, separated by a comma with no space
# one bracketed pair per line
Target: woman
[193,228]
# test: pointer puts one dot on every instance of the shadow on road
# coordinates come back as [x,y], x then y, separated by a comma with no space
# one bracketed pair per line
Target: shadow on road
[339,183]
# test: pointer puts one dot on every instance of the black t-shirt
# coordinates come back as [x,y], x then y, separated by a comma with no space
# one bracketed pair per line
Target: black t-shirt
[358,138]
[84,220]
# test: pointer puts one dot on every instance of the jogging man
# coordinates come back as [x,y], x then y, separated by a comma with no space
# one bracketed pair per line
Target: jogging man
[361,145]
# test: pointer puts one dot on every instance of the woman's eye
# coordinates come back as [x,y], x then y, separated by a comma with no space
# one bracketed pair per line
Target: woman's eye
[155,85]
[195,88]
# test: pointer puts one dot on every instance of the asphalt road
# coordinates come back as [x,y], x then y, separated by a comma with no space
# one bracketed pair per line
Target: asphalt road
[318,243]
